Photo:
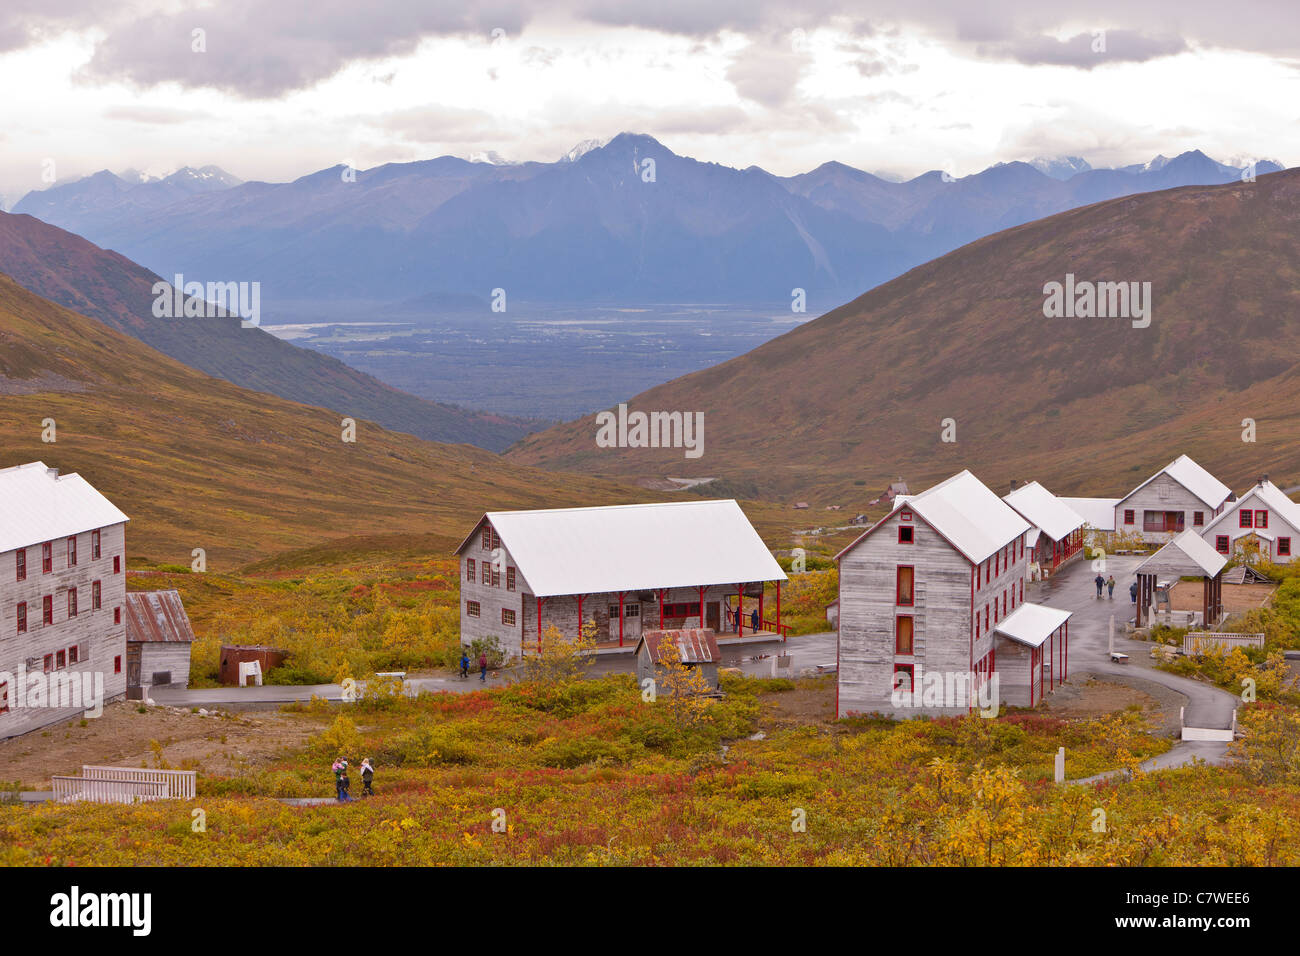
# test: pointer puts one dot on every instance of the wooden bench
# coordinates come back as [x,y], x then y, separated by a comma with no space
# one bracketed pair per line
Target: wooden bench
[1118,658]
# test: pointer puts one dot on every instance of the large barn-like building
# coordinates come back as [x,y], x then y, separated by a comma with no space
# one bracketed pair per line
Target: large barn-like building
[937,587]
[625,568]
[1182,496]
[1262,525]
[62,590]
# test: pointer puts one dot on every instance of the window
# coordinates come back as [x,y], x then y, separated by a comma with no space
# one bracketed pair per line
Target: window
[72,551]
[20,556]
[632,610]
[117,564]
[1022,547]
[1163,520]
[1283,546]
[1022,591]
[72,602]
[117,664]
[670,610]
[1004,603]
[47,608]
[117,615]
[487,573]
[906,534]
[94,545]
[905,515]
[997,564]
[472,608]
[4,698]
[1198,518]
[47,557]
[471,569]
[1261,519]
[496,578]
[510,579]
[1221,544]
[1128,515]
[487,537]
[73,654]
[60,660]
[903,634]
[48,663]
[507,617]
[903,683]
[903,590]
[22,617]
[96,596]
[986,619]
[1244,518]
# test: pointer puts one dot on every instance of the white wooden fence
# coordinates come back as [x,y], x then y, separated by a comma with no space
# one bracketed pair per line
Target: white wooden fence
[1200,642]
[125,785]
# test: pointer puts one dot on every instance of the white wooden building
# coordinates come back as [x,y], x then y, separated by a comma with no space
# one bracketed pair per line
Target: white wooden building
[158,642]
[934,588]
[1182,496]
[1056,535]
[625,568]
[1263,523]
[62,591]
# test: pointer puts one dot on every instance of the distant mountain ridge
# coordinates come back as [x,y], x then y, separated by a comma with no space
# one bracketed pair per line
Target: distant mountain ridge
[626,220]
[107,286]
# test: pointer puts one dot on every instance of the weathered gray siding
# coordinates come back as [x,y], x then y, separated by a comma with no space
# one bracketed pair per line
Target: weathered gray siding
[1161,494]
[101,641]
[158,657]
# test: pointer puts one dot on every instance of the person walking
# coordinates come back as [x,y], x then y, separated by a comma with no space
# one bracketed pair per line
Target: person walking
[753,621]
[482,667]
[344,784]
[367,778]
[1110,587]
[1099,581]
[1133,592]
[464,665]
[338,766]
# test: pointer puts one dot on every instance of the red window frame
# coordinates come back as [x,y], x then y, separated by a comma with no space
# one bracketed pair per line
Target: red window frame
[986,619]
[95,550]
[507,617]
[1198,518]
[1221,544]
[117,664]
[1261,518]
[486,573]
[47,557]
[905,515]
[48,663]
[20,563]
[72,602]
[1245,518]
[117,564]
[47,609]
[473,609]
[906,534]
[487,537]
[1284,546]
[4,698]
[60,659]
[1130,515]
[911,635]
[510,579]
[72,551]
[898,586]
[471,569]
[117,615]
[910,671]
[74,652]
[22,617]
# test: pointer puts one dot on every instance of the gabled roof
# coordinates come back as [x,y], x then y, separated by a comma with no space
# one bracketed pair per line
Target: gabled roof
[1031,624]
[1043,509]
[1192,477]
[1186,553]
[37,504]
[633,547]
[157,617]
[1272,497]
[1099,513]
[965,512]
[695,645]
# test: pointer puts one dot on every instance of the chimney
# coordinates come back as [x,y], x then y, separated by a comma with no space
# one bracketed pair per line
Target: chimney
[1013,484]
[52,472]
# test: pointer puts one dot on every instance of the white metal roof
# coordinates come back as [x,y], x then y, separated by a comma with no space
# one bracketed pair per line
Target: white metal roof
[1196,550]
[1099,513]
[1192,477]
[1270,495]
[37,505]
[634,547]
[1040,507]
[1032,624]
[963,509]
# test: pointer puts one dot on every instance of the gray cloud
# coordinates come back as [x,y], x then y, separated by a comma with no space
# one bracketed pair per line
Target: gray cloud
[1086,51]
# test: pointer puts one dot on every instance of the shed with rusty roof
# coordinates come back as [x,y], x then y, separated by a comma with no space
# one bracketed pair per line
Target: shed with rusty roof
[158,640]
[696,647]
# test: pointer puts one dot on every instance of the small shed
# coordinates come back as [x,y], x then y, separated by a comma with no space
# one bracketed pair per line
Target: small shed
[158,640]
[1186,555]
[232,655]
[696,647]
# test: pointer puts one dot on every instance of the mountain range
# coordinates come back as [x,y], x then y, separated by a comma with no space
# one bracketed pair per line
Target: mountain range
[106,286]
[963,347]
[627,221]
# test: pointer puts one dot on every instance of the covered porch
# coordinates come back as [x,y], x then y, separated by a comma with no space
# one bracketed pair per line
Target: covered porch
[1032,653]
[1187,555]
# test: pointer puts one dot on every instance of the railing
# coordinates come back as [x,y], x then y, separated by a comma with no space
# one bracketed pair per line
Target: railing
[107,790]
[1198,642]
[178,784]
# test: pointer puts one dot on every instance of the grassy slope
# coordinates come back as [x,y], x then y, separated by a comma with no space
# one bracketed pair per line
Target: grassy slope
[102,284]
[1086,405]
[199,462]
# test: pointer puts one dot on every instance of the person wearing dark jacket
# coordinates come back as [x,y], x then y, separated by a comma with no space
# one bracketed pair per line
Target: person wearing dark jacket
[344,784]
[753,620]
[482,667]
[1100,582]
[464,664]
[1133,592]
[367,778]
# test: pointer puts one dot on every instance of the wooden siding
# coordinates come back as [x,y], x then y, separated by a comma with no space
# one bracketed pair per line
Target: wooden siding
[157,657]
[100,640]
[1278,527]
[1162,494]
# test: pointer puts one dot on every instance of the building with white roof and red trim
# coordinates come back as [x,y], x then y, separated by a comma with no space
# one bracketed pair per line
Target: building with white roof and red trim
[1181,496]
[1263,518]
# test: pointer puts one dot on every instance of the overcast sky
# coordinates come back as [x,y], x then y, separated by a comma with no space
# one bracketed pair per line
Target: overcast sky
[284,87]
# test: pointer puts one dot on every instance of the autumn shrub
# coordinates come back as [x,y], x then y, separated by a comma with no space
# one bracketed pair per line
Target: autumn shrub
[339,739]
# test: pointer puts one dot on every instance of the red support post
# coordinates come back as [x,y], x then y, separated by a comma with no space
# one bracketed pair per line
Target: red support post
[1065,656]
[779,630]
[761,620]
[539,625]
[740,609]
[620,618]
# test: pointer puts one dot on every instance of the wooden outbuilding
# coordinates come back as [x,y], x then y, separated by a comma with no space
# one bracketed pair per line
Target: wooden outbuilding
[1187,555]
[158,639]
[694,647]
